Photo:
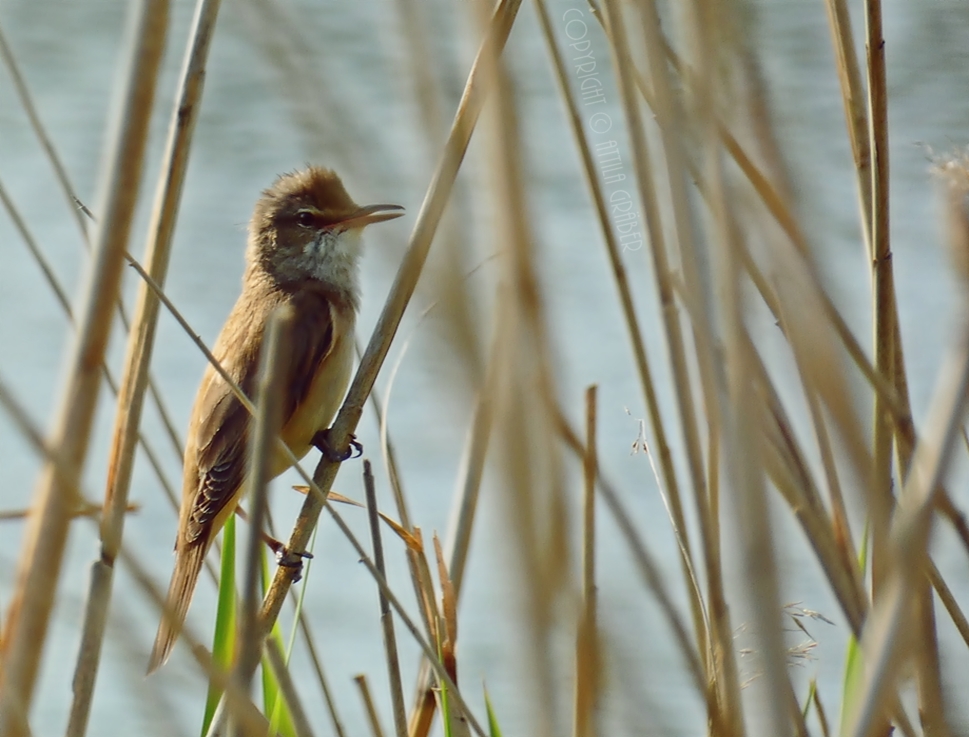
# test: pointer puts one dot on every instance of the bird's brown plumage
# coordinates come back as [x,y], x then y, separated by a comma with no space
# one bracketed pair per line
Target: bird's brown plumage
[319,286]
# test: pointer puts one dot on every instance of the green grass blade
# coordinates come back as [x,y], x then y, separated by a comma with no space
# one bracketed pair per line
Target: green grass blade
[854,661]
[279,716]
[445,706]
[445,710]
[274,706]
[307,566]
[494,730]
[223,642]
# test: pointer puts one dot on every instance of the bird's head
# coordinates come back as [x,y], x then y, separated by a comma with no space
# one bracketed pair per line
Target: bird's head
[305,226]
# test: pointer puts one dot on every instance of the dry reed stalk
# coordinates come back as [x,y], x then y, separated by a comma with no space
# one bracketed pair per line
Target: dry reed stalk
[273,368]
[140,345]
[928,665]
[26,101]
[886,332]
[470,473]
[726,717]
[26,625]
[743,436]
[308,639]
[587,651]
[410,270]
[819,710]
[423,75]
[386,617]
[646,562]
[668,108]
[856,117]
[949,602]
[457,723]
[87,509]
[883,306]
[839,511]
[372,718]
[931,688]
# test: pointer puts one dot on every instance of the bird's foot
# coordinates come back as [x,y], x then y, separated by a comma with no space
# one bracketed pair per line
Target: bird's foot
[294,561]
[322,441]
[288,559]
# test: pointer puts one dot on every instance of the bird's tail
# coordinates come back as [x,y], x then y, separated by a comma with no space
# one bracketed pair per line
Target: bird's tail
[188,564]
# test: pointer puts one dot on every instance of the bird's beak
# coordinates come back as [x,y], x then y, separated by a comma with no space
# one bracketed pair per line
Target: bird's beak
[371,214]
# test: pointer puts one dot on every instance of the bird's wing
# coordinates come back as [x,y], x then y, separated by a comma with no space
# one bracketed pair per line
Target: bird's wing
[222,437]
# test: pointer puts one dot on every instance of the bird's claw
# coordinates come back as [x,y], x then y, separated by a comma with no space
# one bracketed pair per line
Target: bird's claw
[289,559]
[322,441]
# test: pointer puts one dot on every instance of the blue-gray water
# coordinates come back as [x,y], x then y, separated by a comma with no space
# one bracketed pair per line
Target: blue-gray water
[355,112]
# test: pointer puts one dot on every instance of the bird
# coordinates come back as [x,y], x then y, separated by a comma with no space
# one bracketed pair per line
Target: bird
[303,252]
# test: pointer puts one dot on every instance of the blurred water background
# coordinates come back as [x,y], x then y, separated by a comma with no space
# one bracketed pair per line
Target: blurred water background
[350,103]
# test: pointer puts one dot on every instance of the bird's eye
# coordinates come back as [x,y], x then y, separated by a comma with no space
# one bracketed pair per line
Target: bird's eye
[305,218]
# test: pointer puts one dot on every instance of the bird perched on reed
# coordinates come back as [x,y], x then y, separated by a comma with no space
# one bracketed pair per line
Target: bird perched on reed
[304,249]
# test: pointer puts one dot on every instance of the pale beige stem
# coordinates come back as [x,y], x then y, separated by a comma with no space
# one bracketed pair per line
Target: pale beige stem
[134,381]
[46,537]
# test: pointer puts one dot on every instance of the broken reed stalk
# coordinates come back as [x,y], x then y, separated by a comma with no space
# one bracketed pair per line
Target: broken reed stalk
[386,616]
[587,663]
[135,377]
[649,568]
[372,718]
[46,537]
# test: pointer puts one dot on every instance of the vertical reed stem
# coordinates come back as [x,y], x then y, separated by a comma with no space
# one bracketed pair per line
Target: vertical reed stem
[25,630]
[134,381]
